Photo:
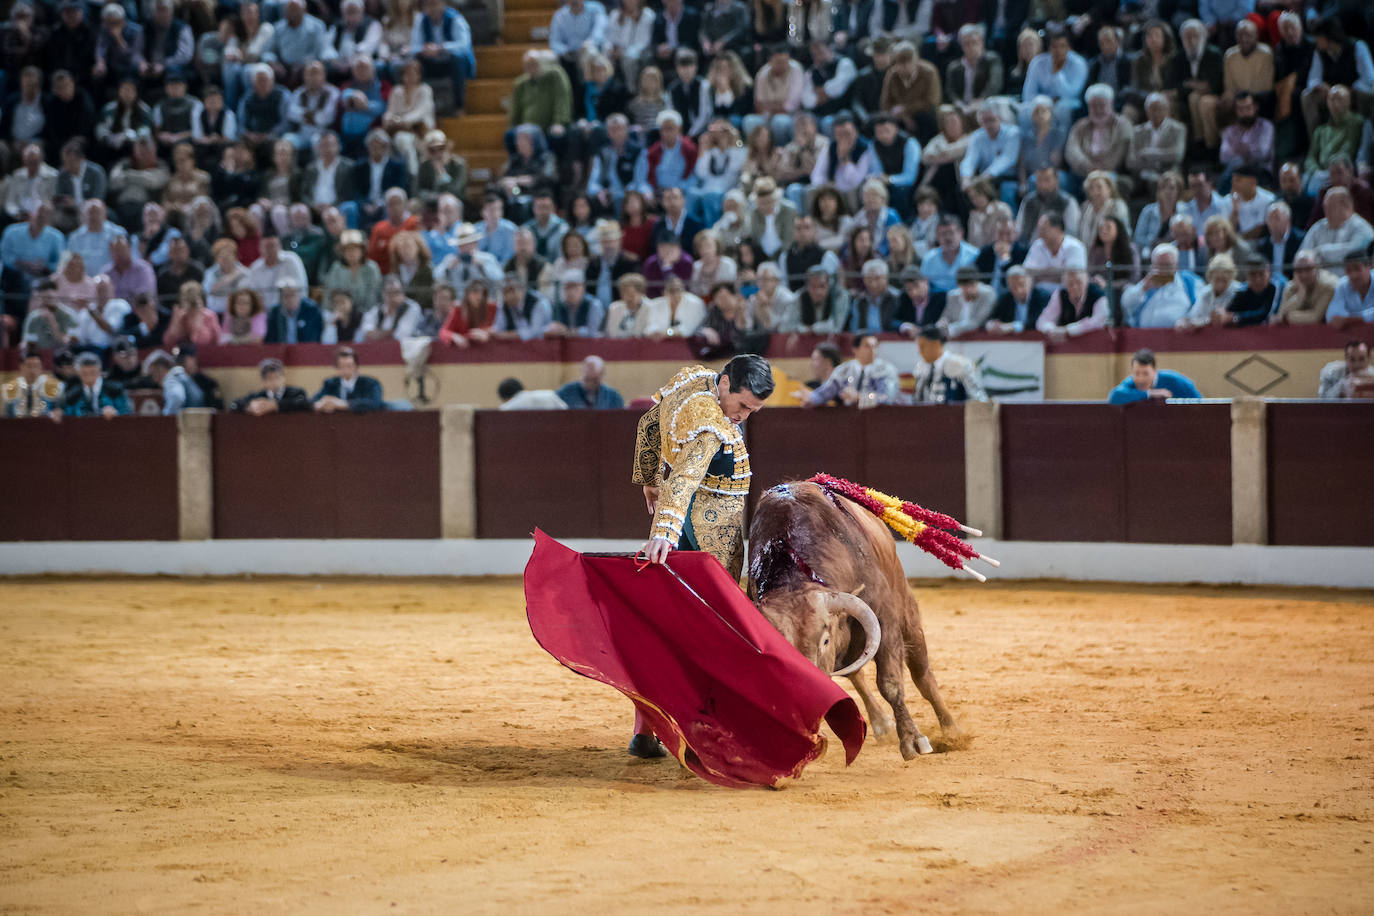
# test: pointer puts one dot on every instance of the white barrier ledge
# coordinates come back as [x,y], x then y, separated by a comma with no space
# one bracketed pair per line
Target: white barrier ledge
[1241,564]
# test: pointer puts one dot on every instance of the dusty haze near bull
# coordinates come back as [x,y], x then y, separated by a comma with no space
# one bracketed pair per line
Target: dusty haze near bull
[295,746]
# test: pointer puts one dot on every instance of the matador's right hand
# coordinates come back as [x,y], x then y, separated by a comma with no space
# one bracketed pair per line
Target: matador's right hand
[656,550]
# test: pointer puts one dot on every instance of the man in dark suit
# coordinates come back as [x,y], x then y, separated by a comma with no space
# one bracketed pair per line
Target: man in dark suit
[94,396]
[605,271]
[348,390]
[1019,308]
[677,26]
[1279,245]
[1199,90]
[919,307]
[1004,253]
[874,308]
[295,319]
[373,176]
[275,396]
[984,66]
[1110,65]
[325,160]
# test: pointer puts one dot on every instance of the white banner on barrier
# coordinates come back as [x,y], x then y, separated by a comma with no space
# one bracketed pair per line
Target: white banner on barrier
[1011,370]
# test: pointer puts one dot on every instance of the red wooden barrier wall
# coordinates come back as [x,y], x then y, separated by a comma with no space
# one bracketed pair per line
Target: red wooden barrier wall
[327,475]
[89,479]
[1321,459]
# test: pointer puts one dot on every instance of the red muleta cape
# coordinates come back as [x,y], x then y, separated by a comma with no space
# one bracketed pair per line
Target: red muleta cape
[723,690]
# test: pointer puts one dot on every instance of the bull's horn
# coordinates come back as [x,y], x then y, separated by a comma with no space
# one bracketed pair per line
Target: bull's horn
[861,612]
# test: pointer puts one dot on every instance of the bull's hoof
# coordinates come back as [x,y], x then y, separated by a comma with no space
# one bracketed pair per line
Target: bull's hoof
[923,745]
[646,747]
[917,748]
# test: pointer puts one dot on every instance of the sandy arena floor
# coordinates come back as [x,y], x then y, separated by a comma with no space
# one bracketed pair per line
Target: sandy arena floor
[405,746]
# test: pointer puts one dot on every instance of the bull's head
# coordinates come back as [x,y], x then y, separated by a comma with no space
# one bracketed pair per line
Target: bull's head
[816,622]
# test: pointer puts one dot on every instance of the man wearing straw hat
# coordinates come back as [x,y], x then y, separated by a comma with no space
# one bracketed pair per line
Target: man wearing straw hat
[468,263]
[772,221]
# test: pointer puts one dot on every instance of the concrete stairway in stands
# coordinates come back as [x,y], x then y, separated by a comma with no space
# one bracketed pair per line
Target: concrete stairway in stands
[477,135]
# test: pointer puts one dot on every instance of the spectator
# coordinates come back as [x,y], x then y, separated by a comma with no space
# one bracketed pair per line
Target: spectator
[147,324]
[629,36]
[410,260]
[773,307]
[1353,300]
[124,365]
[1103,203]
[514,396]
[48,324]
[263,114]
[179,269]
[911,92]
[71,46]
[1199,74]
[32,394]
[442,172]
[409,114]
[1291,193]
[1147,382]
[1153,225]
[778,88]
[1164,296]
[1192,257]
[245,321]
[675,27]
[1336,61]
[1249,203]
[29,185]
[1019,308]
[589,391]
[313,108]
[80,182]
[1204,204]
[394,318]
[1250,140]
[179,390]
[825,359]
[94,396]
[275,396]
[825,91]
[30,250]
[273,266]
[524,314]
[73,284]
[627,315]
[537,272]
[605,270]
[348,390]
[225,277]
[1339,136]
[442,41]
[468,263]
[100,318]
[1000,254]
[613,165]
[1053,252]
[1110,67]
[297,40]
[497,233]
[799,158]
[1060,74]
[974,77]
[1213,303]
[874,308]
[1335,234]
[374,178]
[1248,68]
[969,305]
[186,184]
[940,264]
[342,321]
[1111,256]
[992,154]
[670,260]
[1047,198]
[720,163]
[355,34]
[395,218]
[1307,295]
[823,305]
[1157,146]
[234,184]
[677,313]
[575,254]
[1042,145]
[864,381]
[118,47]
[191,321]
[363,100]
[1342,175]
[294,319]
[1258,300]
[153,244]
[1098,142]
[943,377]
[576,314]
[1349,377]
[472,319]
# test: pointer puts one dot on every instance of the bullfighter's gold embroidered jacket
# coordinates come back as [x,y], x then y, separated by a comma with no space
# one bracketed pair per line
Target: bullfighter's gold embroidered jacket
[690,449]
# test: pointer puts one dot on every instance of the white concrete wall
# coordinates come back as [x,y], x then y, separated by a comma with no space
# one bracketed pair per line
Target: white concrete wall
[1241,564]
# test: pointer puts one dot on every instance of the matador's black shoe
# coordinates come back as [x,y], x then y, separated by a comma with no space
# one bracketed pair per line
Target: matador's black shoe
[647,747]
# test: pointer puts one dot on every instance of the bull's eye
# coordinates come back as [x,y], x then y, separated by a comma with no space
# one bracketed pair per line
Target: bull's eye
[825,640]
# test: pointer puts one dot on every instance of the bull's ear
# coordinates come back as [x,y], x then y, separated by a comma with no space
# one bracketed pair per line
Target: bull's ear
[849,605]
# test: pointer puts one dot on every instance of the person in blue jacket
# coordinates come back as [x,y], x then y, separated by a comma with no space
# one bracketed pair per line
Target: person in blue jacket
[1147,382]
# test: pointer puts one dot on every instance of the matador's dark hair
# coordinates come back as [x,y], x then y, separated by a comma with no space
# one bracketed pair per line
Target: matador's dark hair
[752,372]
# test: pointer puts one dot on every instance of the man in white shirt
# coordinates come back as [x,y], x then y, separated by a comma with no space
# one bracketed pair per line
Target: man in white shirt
[97,322]
[327,179]
[92,240]
[29,185]
[468,262]
[969,304]
[272,266]
[1340,230]
[396,318]
[1163,297]
[1053,252]
[1249,202]
[357,34]
[514,396]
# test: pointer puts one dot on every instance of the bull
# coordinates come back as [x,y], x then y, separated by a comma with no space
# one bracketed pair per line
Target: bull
[824,572]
